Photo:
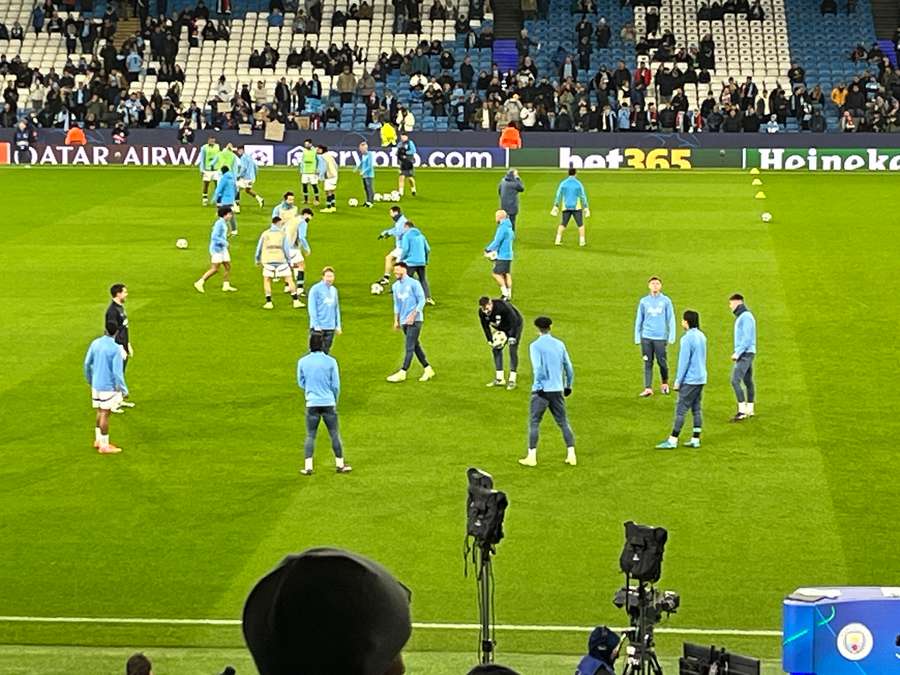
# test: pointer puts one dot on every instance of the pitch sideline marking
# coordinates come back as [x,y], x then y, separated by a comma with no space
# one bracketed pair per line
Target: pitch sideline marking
[418,625]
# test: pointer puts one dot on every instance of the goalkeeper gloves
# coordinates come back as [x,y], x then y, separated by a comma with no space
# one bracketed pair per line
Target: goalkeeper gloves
[567,391]
[587,213]
[382,236]
[554,211]
[512,340]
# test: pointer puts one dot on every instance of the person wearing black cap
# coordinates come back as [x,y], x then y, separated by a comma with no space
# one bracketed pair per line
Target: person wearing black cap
[743,355]
[328,612]
[552,382]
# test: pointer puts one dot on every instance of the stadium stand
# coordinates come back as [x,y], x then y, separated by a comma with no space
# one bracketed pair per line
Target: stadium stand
[241,67]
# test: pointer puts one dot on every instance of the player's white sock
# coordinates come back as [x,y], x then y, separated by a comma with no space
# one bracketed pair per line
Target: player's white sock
[512,376]
[400,191]
[104,441]
[673,440]
[742,408]
[532,454]
[499,375]
[749,409]
[570,453]
[339,462]
[582,241]
[97,434]
[558,240]
[259,199]
[308,464]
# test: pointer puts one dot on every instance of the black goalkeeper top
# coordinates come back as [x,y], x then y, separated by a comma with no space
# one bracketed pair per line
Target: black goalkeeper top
[504,316]
[115,313]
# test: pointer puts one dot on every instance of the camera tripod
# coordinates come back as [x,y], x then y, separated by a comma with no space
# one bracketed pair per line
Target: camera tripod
[484,576]
[641,652]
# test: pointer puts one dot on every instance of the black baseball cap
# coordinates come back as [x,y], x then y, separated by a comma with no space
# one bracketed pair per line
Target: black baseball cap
[327,612]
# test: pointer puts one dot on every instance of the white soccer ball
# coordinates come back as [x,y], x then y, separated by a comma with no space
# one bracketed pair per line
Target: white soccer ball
[181,243]
[378,197]
[498,340]
[767,217]
[395,196]
[376,289]
[491,255]
[353,201]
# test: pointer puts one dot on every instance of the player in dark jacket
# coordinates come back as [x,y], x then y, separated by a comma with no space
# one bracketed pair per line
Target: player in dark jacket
[502,325]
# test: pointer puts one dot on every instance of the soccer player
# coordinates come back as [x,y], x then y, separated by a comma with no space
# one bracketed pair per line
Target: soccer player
[689,381]
[406,154]
[743,355]
[409,305]
[570,195]
[414,251]
[246,172]
[397,231]
[104,369]
[309,171]
[209,153]
[318,377]
[502,324]
[218,252]
[366,171]
[273,252]
[509,189]
[115,314]
[296,230]
[500,250]
[654,325]
[227,157]
[328,172]
[553,378]
[226,195]
[325,309]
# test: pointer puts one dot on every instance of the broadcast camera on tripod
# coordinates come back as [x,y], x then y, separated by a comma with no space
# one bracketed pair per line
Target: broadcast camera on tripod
[641,561]
[485,509]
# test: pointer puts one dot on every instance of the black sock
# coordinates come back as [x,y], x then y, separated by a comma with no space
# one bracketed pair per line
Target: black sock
[697,433]
[294,295]
[305,194]
[268,298]
[300,276]
[675,433]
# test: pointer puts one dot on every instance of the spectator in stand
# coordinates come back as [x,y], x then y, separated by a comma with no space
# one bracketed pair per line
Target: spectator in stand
[848,124]
[329,612]
[756,13]
[772,126]
[138,664]
[828,7]
[346,85]
[603,33]
[524,43]
[796,75]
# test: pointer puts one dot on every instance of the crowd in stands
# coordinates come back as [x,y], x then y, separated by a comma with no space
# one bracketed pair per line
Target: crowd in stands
[570,97]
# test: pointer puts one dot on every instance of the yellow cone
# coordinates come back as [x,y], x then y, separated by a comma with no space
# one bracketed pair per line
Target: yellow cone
[754,172]
[756,181]
[760,195]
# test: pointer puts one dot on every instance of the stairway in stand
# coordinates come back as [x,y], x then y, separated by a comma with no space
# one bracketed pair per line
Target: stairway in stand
[125,30]
[507,24]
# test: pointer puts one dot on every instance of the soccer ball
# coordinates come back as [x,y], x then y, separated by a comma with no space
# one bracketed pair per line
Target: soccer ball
[353,201]
[376,289]
[767,217]
[181,243]
[395,196]
[498,340]
[491,255]
[378,197]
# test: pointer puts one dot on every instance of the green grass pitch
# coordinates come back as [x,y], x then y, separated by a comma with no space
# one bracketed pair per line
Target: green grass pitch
[206,496]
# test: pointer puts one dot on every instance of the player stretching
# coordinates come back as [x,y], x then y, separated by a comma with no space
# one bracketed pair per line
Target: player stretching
[273,252]
[415,251]
[226,195]
[500,250]
[689,381]
[397,231]
[325,309]
[366,171]
[296,230]
[406,155]
[218,252]
[246,172]
[502,325]
[409,305]
[654,325]
[553,377]
[328,172]
[743,355]
[318,376]
[209,155]
[571,196]
[104,371]
[309,171]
